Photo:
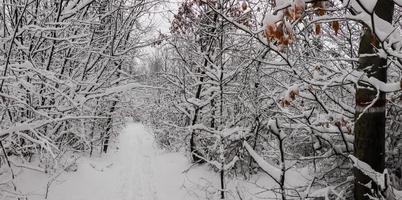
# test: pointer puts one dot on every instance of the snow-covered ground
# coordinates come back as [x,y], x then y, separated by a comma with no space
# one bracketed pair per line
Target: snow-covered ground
[136,169]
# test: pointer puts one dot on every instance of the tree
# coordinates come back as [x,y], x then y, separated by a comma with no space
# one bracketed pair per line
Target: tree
[204,75]
[318,100]
[64,67]
[300,68]
[370,123]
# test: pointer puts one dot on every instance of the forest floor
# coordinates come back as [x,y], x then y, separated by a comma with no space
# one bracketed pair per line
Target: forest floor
[136,169]
[133,170]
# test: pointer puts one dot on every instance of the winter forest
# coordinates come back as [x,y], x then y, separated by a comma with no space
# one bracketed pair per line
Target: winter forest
[200,99]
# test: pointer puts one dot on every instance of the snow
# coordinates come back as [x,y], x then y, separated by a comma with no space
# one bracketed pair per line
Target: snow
[369,5]
[136,169]
[126,174]
[378,178]
[116,89]
[399,2]
[271,19]
[269,168]
[398,194]
[380,85]
[74,6]
[384,30]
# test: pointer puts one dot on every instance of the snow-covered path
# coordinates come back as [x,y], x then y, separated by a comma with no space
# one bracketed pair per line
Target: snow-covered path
[135,158]
[152,174]
[133,170]
[137,171]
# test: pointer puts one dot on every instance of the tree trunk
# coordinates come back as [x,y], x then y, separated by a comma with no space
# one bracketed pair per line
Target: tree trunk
[369,127]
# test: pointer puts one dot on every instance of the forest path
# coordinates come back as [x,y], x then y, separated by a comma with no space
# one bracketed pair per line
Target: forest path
[146,171]
[135,157]
[134,169]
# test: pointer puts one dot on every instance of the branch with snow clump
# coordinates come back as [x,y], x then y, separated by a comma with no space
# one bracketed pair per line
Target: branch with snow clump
[380,85]
[273,171]
[381,179]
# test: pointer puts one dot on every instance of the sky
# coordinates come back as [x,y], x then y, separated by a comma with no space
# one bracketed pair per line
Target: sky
[160,19]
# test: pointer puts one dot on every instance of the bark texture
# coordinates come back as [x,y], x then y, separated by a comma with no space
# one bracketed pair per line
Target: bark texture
[369,127]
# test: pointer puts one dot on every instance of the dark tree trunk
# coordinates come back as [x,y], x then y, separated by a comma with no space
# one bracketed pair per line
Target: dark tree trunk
[109,125]
[369,127]
[195,154]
